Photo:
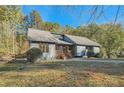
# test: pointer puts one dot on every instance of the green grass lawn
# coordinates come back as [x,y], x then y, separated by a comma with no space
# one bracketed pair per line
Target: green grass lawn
[68,74]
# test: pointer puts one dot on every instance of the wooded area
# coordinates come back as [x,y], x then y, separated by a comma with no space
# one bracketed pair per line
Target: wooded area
[14,25]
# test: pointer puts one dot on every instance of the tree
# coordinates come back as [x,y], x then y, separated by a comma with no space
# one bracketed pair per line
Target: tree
[69,30]
[112,40]
[9,20]
[56,27]
[35,19]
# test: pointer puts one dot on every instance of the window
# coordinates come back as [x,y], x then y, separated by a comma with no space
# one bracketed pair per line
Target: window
[44,47]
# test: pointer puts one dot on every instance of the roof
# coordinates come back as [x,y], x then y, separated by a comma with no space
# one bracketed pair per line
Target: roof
[82,40]
[45,36]
[40,35]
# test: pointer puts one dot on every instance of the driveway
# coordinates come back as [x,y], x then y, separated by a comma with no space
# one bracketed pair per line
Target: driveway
[88,60]
[98,60]
[77,59]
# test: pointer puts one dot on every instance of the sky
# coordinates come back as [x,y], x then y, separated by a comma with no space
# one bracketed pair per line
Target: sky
[75,15]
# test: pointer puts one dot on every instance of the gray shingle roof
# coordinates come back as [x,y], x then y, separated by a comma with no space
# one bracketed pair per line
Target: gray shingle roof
[40,35]
[82,40]
[45,36]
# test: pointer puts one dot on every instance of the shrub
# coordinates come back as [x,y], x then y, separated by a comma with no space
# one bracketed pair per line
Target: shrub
[33,54]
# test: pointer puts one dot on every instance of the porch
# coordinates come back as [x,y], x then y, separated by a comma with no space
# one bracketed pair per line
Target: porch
[64,51]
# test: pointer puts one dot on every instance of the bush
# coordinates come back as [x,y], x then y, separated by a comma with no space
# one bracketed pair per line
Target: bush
[98,55]
[33,54]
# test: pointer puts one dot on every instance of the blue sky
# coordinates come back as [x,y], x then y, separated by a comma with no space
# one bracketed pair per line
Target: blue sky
[74,15]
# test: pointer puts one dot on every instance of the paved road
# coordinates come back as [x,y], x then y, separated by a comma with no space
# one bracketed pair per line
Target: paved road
[98,60]
[83,60]
[91,60]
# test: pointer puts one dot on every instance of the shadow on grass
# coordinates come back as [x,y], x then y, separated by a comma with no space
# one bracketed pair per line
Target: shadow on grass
[14,61]
[12,65]
[107,68]
[4,68]
[18,63]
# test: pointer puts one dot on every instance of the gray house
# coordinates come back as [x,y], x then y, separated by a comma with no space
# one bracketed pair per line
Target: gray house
[61,46]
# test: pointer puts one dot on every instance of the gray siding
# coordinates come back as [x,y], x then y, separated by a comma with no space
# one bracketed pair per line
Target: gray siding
[46,55]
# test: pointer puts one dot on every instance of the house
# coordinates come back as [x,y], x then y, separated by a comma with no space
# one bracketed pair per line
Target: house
[54,45]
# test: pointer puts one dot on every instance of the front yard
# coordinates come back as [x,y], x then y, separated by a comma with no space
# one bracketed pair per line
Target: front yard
[62,74]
